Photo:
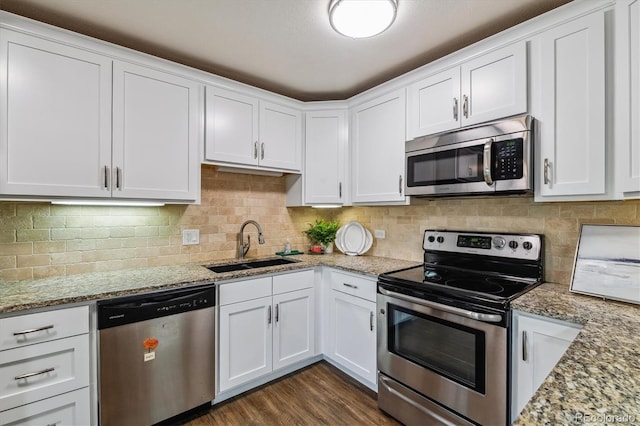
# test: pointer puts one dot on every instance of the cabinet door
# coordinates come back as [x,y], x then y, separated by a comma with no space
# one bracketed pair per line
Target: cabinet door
[378,149]
[231,127]
[55,118]
[571,120]
[72,408]
[494,85]
[433,104]
[539,345]
[245,342]
[628,96]
[280,137]
[352,334]
[155,140]
[293,331]
[325,152]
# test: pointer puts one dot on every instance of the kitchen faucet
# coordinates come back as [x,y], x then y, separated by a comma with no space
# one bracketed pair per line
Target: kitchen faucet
[242,247]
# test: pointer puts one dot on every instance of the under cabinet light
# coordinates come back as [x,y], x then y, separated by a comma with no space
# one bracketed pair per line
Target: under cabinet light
[327,206]
[108,203]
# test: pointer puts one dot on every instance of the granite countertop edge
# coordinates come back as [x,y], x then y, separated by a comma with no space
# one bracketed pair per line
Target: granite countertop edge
[598,377]
[56,291]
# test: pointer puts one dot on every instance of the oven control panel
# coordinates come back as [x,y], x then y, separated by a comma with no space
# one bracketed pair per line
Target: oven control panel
[514,246]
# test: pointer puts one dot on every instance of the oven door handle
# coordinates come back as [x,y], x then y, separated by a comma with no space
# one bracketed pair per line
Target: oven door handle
[450,309]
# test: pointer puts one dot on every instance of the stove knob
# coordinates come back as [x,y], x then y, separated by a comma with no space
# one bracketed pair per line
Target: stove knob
[527,245]
[499,242]
[441,240]
[431,238]
[513,244]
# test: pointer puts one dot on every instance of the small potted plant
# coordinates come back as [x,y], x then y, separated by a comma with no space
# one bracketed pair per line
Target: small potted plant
[322,233]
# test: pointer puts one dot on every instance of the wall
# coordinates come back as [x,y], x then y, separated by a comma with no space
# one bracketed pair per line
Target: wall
[39,239]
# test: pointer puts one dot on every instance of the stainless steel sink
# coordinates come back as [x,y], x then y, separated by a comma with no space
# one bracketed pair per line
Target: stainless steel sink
[250,264]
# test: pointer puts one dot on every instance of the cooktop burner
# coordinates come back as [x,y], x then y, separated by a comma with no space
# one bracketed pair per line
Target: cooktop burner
[476,285]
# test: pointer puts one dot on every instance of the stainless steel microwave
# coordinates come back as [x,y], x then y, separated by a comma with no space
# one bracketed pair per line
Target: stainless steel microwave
[493,158]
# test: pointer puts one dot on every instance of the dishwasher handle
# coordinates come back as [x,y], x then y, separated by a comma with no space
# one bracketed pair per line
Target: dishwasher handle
[130,309]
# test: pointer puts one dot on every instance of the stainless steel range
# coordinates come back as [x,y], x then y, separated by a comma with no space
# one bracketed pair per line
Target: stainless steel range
[443,328]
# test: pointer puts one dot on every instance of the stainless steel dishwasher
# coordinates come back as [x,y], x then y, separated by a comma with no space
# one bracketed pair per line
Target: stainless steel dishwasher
[156,356]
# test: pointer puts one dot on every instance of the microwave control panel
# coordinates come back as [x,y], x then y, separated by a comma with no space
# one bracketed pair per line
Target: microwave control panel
[509,162]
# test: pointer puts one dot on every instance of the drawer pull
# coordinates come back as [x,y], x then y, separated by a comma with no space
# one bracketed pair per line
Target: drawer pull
[37,373]
[33,330]
[350,285]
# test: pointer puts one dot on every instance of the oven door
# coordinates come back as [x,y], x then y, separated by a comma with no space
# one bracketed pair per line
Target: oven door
[456,361]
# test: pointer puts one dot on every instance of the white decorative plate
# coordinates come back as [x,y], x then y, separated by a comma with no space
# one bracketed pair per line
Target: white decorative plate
[368,243]
[353,238]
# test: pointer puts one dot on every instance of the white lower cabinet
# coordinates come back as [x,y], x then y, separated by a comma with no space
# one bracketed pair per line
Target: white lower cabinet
[265,324]
[45,368]
[538,344]
[351,333]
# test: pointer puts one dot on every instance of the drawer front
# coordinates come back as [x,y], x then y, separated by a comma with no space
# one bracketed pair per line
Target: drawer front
[291,282]
[35,372]
[71,408]
[241,291]
[41,327]
[357,286]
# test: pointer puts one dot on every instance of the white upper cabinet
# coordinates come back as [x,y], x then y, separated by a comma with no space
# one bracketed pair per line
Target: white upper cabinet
[155,134]
[325,153]
[243,131]
[489,87]
[55,118]
[627,106]
[569,87]
[377,160]
[78,124]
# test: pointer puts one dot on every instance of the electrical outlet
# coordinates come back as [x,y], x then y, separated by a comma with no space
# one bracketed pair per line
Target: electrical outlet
[380,234]
[190,237]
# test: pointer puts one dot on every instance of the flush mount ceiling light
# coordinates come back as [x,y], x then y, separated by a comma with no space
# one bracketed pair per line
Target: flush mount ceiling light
[362,18]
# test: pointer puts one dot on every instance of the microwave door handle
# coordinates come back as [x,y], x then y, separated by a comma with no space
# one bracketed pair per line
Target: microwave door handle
[440,307]
[486,162]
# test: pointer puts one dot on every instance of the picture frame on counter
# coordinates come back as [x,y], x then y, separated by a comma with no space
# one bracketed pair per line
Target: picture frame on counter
[607,262]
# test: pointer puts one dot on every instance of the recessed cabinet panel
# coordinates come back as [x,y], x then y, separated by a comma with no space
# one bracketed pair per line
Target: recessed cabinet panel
[155,139]
[325,152]
[628,97]
[293,332]
[55,119]
[232,127]
[433,104]
[280,137]
[571,119]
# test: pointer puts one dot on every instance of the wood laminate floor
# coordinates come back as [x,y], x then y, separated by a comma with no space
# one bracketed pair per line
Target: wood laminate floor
[317,395]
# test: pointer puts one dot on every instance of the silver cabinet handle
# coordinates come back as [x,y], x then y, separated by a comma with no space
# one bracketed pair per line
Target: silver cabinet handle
[277,312]
[118,178]
[37,373]
[350,285]
[33,330]
[465,106]
[486,162]
[105,184]
[262,151]
[524,345]
[444,308]
[400,184]
[269,315]
[340,190]
[546,171]
[371,320]
[255,150]
[455,109]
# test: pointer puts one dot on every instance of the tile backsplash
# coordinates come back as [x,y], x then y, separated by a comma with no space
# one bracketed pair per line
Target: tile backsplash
[40,240]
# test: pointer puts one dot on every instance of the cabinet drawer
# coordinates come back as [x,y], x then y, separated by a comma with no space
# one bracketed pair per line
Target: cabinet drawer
[27,329]
[71,408]
[356,286]
[47,369]
[244,290]
[291,282]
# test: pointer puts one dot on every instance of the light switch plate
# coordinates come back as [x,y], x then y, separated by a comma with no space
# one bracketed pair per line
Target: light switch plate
[380,234]
[190,237]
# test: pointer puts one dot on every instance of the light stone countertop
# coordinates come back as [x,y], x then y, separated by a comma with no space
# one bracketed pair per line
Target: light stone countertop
[48,292]
[597,380]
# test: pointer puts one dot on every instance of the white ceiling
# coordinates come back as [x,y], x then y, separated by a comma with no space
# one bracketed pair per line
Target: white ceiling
[286,46]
